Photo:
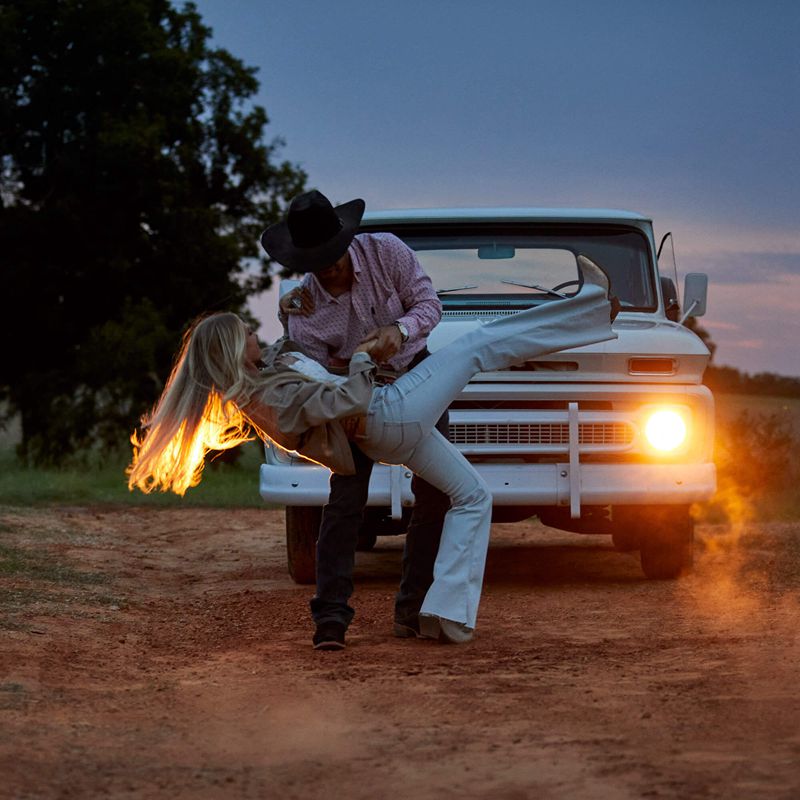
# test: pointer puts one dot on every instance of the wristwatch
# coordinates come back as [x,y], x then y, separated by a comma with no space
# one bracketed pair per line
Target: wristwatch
[403,331]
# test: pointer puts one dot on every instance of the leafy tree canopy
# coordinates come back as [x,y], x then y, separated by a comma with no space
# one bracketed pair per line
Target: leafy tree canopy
[135,182]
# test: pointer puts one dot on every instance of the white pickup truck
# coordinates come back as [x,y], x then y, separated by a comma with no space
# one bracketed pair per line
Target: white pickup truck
[614,438]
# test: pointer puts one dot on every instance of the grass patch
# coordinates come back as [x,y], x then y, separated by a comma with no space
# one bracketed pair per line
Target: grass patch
[12,696]
[223,485]
[34,577]
[37,566]
[15,597]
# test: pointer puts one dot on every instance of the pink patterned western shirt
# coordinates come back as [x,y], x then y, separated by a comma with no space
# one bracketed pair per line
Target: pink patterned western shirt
[388,286]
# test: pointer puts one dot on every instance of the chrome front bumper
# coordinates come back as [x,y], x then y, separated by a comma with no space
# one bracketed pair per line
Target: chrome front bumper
[511,484]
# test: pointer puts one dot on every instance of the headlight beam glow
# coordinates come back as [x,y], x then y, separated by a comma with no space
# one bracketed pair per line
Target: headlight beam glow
[665,430]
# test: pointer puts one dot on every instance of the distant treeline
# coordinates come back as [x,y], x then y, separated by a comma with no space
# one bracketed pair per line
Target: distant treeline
[730,380]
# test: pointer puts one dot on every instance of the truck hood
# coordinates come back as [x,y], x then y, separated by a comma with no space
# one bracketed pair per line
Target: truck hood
[647,350]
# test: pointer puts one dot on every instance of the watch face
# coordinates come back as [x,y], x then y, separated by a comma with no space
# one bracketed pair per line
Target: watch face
[403,330]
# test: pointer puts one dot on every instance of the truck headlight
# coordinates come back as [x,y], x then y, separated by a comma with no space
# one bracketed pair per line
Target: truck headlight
[665,430]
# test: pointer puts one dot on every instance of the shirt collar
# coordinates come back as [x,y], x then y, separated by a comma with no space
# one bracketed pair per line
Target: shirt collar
[356,273]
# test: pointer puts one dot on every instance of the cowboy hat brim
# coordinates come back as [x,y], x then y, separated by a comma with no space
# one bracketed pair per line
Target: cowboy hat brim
[277,241]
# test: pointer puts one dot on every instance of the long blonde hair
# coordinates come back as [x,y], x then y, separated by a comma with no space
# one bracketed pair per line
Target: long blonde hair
[199,409]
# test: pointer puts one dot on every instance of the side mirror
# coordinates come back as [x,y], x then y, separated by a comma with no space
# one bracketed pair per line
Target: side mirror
[695,290]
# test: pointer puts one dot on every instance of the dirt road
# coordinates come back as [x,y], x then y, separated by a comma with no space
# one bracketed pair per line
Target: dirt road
[165,653]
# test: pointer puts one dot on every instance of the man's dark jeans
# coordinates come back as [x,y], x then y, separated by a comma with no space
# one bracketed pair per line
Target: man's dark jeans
[338,536]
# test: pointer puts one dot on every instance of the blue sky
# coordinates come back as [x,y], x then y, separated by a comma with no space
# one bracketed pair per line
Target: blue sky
[685,111]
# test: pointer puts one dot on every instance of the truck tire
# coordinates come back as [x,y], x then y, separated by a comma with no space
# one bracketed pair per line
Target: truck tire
[626,539]
[302,529]
[378,522]
[667,543]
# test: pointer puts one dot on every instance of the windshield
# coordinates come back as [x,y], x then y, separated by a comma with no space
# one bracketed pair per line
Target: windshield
[519,269]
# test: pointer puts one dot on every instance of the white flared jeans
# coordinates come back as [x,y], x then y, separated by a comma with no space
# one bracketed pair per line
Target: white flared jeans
[401,419]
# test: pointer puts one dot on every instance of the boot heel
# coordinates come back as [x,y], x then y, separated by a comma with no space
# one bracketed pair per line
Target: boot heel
[594,275]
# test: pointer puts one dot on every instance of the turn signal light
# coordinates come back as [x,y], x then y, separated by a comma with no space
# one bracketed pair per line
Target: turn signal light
[652,366]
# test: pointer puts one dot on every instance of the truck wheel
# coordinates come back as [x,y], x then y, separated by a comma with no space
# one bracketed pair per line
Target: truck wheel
[302,529]
[667,544]
[626,539]
[628,523]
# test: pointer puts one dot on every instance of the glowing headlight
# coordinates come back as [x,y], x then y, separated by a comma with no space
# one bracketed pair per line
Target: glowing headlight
[665,430]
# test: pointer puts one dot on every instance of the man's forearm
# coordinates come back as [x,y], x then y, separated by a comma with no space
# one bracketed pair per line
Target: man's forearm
[421,319]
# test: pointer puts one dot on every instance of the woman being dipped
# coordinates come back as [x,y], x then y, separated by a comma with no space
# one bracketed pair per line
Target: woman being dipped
[222,385]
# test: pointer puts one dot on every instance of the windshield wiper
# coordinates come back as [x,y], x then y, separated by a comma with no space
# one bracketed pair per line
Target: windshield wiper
[538,288]
[456,289]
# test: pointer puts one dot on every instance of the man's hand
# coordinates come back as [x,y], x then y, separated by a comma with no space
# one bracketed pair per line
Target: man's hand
[366,346]
[297,301]
[388,342]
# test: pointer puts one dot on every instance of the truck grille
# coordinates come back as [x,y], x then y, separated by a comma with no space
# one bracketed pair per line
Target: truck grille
[539,434]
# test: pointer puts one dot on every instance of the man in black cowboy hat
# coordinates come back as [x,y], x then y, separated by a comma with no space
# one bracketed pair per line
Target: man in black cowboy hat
[358,287]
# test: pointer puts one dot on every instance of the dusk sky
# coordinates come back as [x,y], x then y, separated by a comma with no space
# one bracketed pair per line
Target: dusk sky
[688,112]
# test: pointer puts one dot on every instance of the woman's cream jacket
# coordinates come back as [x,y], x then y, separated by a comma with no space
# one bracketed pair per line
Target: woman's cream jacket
[301,414]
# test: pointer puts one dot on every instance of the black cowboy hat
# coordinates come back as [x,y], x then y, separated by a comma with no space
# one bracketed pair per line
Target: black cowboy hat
[314,234]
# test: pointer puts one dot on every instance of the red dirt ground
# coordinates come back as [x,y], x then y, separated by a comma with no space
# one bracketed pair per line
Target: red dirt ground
[166,653]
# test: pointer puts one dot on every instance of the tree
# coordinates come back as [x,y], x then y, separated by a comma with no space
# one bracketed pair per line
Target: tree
[693,325]
[135,183]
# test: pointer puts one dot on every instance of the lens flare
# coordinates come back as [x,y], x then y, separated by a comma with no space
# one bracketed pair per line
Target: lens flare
[665,430]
